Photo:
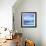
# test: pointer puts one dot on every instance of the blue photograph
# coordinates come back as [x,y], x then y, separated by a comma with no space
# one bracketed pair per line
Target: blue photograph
[28,19]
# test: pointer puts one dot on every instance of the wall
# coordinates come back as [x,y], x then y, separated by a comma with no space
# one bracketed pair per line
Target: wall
[31,6]
[6,13]
[43,22]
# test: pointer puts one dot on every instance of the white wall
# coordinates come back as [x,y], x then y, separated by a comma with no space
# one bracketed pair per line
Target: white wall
[35,34]
[6,13]
[43,22]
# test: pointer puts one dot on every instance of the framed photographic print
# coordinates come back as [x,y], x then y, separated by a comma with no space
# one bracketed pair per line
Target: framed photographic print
[28,19]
